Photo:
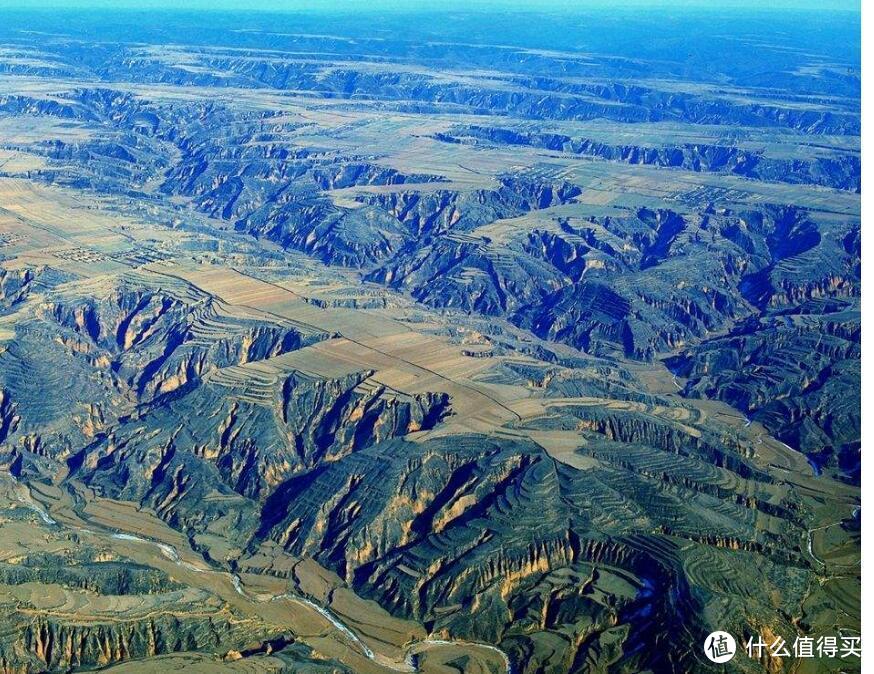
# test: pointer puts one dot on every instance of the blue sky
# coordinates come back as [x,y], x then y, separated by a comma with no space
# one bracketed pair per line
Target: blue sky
[383,5]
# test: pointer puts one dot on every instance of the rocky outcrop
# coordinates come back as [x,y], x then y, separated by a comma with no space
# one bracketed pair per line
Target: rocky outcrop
[15,284]
[47,644]
[496,541]
[8,418]
[795,374]
[512,203]
[102,577]
[157,341]
[246,438]
[841,171]
[530,97]
[432,214]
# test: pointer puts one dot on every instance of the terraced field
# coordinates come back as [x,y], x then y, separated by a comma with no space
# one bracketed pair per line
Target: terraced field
[389,348]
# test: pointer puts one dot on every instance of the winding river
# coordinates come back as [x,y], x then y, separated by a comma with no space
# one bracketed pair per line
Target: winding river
[410,652]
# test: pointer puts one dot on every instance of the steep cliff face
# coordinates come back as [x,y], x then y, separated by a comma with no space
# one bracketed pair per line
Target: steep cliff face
[157,341]
[641,284]
[432,214]
[585,314]
[795,373]
[531,97]
[8,418]
[563,283]
[192,470]
[46,644]
[15,284]
[499,542]
[387,223]
[273,189]
[120,345]
[357,237]
[70,600]
[802,259]
[247,437]
[176,409]
[841,172]
[108,577]
[447,535]
[469,274]
[613,285]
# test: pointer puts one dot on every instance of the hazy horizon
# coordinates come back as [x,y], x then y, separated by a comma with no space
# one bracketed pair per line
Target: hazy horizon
[429,5]
[436,337]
